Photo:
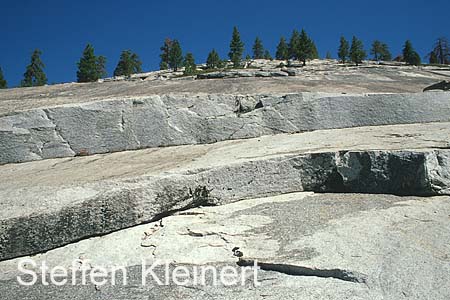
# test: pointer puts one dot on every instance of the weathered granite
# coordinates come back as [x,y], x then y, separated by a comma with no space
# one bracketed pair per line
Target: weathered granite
[49,203]
[118,125]
[398,246]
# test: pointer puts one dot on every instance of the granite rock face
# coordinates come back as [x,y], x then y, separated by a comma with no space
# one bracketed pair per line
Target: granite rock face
[88,196]
[119,125]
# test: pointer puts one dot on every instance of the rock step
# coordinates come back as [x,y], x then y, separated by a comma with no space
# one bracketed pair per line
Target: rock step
[316,232]
[50,203]
[155,121]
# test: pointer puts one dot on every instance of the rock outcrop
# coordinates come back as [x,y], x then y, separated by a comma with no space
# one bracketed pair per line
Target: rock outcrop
[160,121]
[337,195]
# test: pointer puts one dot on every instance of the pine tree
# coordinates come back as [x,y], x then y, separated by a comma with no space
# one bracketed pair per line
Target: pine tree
[282,50]
[441,51]
[306,48]
[343,52]
[315,52]
[129,63]
[236,48]
[213,61]
[380,51]
[433,58]
[34,74]
[328,56]
[165,51]
[294,43]
[357,53]
[410,56]
[3,83]
[90,67]
[175,55]
[189,64]
[258,49]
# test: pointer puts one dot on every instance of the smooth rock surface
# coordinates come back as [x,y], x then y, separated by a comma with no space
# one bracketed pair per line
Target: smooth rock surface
[64,200]
[118,125]
[399,245]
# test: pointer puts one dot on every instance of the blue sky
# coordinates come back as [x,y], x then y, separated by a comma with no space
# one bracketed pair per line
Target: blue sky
[61,28]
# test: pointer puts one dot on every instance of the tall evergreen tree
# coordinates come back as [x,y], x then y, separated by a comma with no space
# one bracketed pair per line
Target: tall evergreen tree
[165,51]
[433,58]
[410,56]
[315,52]
[328,55]
[344,48]
[34,74]
[175,55]
[282,50]
[236,48]
[306,48]
[189,64]
[294,44]
[90,67]
[213,61]
[129,63]
[441,51]
[357,53]
[3,83]
[258,49]
[380,51]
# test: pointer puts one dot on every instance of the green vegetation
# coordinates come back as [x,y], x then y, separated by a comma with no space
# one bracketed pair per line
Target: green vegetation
[236,48]
[90,67]
[410,56]
[189,64]
[34,74]
[380,51]
[129,63]
[328,55]
[357,53]
[175,56]
[165,49]
[213,61]
[258,49]
[3,83]
[441,52]
[282,50]
[301,47]
[267,55]
[344,50]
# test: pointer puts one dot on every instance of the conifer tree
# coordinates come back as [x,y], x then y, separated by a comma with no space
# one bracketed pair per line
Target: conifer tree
[90,67]
[282,50]
[441,51]
[306,48]
[357,53]
[433,58]
[328,55]
[189,64]
[34,74]
[236,48]
[315,52]
[267,55]
[258,49]
[3,83]
[129,63]
[165,51]
[175,55]
[410,56]
[380,51]
[213,61]
[294,44]
[344,48]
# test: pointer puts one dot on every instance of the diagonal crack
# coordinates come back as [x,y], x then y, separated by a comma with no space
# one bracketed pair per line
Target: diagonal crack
[305,271]
[58,130]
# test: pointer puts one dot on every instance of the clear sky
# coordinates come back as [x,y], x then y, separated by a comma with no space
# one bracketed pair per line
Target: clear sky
[62,28]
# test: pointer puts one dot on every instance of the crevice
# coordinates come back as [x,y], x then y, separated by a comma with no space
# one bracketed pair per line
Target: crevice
[294,270]
[58,130]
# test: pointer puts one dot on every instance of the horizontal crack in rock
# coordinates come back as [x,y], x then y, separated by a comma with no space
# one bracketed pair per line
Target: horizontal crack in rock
[305,271]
